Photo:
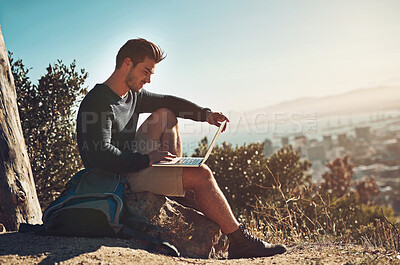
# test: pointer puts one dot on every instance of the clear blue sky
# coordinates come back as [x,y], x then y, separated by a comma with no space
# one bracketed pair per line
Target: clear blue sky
[222,54]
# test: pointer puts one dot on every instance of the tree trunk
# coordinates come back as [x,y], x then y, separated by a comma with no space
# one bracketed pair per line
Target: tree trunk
[18,199]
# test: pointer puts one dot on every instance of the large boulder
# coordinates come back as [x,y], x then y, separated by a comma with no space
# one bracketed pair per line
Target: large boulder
[186,228]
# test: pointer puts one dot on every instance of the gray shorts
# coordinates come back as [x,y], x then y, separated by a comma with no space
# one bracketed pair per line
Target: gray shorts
[158,180]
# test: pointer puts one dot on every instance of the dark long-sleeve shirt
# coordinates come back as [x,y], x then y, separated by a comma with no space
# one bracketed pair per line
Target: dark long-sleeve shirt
[106,126]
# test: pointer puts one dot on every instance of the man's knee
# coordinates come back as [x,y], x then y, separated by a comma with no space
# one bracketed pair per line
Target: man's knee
[158,122]
[197,177]
[165,116]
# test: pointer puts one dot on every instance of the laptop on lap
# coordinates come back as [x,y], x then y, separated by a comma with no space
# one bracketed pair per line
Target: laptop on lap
[191,161]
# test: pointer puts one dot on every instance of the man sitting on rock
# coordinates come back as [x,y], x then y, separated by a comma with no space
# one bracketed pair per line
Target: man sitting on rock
[107,139]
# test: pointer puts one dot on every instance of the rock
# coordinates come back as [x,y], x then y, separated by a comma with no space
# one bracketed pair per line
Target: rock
[186,228]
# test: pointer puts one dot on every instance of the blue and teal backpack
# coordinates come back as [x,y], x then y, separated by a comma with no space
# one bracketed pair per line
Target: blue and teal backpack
[92,204]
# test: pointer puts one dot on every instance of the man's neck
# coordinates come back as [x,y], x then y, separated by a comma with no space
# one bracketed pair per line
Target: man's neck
[117,84]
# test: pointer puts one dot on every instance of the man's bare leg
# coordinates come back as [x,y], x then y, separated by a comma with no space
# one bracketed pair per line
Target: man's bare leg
[162,125]
[209,197]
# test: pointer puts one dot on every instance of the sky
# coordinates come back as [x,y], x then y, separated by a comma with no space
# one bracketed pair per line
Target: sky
[226,55]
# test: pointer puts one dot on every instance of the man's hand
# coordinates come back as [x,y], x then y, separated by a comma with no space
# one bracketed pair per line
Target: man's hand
[215,118]
[157,156]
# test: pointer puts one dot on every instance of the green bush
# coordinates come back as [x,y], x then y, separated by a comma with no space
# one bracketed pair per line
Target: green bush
[47,113]
[277,199]
[244,173]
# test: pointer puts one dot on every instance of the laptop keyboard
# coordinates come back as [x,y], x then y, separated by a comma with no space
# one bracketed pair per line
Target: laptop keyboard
[190,161]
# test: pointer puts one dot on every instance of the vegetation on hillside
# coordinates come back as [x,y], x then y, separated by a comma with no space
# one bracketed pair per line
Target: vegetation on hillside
[276,197]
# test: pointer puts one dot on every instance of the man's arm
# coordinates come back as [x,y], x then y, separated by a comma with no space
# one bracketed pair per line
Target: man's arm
[95,146]
[149,102]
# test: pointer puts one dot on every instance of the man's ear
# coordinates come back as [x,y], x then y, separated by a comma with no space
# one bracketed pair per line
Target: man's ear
[127,62]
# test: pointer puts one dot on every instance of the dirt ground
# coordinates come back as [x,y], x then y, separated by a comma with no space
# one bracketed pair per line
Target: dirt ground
[17,248]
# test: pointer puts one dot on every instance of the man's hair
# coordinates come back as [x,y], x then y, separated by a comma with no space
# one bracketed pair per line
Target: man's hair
[137,50]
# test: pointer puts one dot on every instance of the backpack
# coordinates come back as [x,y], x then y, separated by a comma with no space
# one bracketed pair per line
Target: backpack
[92,205]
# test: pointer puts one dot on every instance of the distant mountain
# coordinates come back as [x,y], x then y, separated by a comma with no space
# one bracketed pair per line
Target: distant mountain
[354,102]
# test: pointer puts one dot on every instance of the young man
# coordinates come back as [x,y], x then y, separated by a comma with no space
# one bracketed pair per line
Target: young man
[107,139]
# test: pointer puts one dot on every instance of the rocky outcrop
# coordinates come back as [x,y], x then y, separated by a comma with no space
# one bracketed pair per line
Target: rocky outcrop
[186,228]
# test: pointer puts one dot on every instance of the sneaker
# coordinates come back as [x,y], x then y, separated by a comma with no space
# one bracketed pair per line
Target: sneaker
[244,245]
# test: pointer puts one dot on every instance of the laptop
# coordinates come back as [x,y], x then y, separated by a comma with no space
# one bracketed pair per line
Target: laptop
[191,161]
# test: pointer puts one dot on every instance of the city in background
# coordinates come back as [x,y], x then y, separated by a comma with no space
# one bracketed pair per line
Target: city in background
[373,144]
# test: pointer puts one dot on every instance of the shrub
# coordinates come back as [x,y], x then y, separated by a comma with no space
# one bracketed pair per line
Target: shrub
[47,112]
[277,199]
[244,173]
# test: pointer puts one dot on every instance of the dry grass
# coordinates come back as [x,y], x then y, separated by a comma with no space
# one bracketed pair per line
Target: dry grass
[301,217]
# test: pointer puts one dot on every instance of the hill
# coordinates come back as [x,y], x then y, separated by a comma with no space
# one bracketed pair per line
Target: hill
[354,102]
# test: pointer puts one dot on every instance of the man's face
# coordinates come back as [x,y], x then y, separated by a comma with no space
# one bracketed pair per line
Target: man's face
[140,74]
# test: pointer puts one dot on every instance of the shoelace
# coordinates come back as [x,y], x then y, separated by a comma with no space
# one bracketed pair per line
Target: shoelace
[248,235]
